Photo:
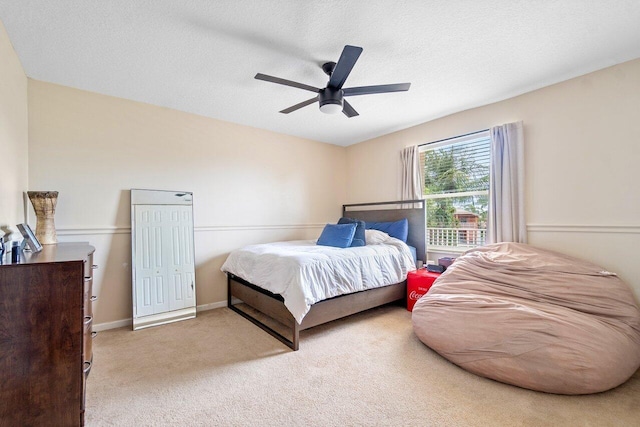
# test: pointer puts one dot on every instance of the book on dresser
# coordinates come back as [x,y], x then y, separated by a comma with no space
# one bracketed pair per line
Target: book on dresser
[45,335]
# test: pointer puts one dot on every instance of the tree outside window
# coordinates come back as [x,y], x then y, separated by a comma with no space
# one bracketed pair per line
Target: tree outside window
[456,190]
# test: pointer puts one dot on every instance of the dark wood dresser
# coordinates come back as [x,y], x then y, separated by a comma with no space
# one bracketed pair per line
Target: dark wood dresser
[45,336]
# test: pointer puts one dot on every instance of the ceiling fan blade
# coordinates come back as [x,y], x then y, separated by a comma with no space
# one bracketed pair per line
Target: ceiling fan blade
[367,90]
[348,58]
[300,105]
[348,110]
[285,82]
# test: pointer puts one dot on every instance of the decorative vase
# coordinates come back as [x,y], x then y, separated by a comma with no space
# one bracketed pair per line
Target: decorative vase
[44,205]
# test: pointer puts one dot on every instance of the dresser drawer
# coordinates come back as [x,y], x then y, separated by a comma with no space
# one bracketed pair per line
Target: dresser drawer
[88,297]
[87,339]
[89,266]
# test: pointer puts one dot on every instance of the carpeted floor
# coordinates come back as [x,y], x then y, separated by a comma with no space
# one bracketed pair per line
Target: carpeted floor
[366,370]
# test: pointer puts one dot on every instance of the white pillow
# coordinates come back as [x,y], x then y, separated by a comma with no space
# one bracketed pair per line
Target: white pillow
[375,237]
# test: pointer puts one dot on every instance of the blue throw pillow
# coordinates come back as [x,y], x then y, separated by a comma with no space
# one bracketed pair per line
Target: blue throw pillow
[398,229]
[337,235]
[358,237]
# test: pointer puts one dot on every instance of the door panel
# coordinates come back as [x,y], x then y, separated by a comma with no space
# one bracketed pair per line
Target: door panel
[164,261]
[149,269]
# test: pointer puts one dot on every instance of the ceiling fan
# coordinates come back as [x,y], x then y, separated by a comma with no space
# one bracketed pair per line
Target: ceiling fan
[331,98]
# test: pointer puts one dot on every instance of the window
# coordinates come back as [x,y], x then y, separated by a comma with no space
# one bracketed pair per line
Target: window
[456,190]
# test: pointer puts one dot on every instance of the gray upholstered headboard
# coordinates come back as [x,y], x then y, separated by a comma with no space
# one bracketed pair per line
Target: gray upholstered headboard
[412,210]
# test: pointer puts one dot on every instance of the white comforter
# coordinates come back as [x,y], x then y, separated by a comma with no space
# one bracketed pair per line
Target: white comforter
[305,273]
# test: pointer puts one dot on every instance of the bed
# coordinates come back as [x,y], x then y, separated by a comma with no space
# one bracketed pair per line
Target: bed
[268,310]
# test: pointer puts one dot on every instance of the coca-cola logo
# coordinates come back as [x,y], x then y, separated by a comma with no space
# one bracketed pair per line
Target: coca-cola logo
[415,295]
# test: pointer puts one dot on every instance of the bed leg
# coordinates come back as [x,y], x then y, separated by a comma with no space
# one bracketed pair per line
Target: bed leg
[295,326]
[296,336]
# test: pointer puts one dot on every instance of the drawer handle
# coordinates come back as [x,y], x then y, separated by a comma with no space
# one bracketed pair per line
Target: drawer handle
[88,279]
[87,367]
[93,298]
[87,319]
[93,334]
[94,266]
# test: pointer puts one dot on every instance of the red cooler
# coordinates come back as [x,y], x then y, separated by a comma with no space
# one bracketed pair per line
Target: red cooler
[418,283]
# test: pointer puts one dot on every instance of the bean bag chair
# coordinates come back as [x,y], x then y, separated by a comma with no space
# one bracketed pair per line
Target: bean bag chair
[533,318]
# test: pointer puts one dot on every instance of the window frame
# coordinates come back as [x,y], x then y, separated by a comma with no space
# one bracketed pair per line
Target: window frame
[454,249]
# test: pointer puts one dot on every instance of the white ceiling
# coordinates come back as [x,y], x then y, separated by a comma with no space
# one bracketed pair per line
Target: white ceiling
[200,56]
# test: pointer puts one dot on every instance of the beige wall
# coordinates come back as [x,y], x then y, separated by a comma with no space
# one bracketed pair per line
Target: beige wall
[253,186]
[582,155]
[13,137]
[249,185]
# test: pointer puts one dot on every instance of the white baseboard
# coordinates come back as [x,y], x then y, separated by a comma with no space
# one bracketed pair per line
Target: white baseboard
[129,321]
[205,307]
[163,318]
[112,325]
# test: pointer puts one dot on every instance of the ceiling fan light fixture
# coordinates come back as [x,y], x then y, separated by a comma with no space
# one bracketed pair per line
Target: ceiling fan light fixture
[330,100]
[331,108]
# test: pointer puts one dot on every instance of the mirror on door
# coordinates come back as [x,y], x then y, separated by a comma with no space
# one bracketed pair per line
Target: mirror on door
[162,248]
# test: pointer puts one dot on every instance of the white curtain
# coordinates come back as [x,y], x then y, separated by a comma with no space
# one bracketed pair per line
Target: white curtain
[506,222]
[411,185]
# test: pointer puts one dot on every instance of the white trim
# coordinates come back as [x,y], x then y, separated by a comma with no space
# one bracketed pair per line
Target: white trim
[127,230]
[129,321]
[447,250]
[92,231]
[591,228]
[473,136]
[257,227]
[460,194]
[98,327]
[211,306]
[163,318]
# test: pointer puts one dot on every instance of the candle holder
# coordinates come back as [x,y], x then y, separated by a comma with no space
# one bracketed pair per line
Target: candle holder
[44,205]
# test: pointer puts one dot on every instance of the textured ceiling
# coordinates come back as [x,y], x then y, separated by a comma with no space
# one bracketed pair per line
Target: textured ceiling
[200,56]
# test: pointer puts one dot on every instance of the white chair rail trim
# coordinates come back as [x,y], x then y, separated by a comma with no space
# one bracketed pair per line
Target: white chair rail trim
[77,231]
[532,228]
[590,228]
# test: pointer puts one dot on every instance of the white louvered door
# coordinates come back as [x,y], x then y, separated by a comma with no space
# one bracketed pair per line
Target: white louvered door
[151,272]
[163,258]
[180,259]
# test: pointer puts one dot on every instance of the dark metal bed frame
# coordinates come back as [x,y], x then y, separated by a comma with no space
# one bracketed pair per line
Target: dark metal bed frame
[272,305]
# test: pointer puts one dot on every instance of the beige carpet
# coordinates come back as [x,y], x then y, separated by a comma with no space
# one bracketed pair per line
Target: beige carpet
[369,369]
